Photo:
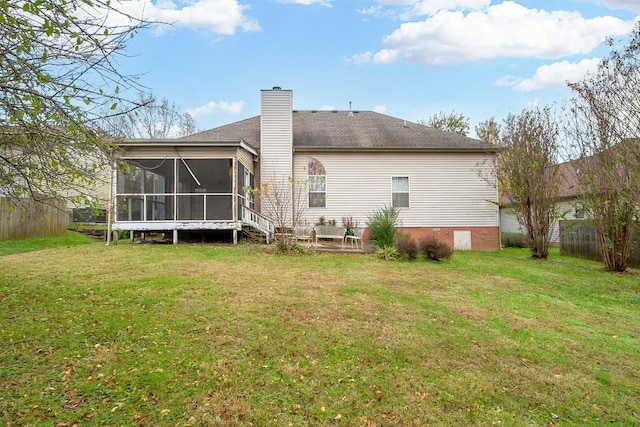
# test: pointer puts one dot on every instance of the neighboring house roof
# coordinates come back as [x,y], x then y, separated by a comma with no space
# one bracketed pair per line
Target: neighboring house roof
[349,130]
[569,186]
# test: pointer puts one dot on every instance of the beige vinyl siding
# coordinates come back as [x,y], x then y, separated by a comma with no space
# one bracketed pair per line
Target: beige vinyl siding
[446,189]
[246,158]
[509,220]
[98,190]
[276,135]
[567,211]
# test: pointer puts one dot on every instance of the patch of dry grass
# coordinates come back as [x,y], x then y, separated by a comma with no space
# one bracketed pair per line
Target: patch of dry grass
[218,335]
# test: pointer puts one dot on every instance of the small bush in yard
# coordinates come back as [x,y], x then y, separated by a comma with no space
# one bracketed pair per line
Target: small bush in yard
[382,226]
[434,249]
[514,240]
[283,248]
[407,247]
[387,252]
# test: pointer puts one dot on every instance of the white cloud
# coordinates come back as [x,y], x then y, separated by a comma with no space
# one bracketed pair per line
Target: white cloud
[503,30]
[374,11]
[632,5]
[431,7]
[308,2]
[214,107]
[397,2]
[508,80]
[407,9]
[326,108]
[380,109]
[359,59]
[558,74]
[217,16]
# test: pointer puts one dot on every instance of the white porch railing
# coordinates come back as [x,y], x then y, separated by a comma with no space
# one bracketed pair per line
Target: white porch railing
[258,221]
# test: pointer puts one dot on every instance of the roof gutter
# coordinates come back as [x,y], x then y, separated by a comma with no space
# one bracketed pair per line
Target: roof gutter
[186,143]
[396,150]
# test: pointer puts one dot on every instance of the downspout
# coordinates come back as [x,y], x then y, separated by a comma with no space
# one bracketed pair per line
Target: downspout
[111,207]
[234,198]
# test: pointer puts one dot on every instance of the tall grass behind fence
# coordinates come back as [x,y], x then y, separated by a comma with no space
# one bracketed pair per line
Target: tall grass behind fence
[578,239]
[27,219]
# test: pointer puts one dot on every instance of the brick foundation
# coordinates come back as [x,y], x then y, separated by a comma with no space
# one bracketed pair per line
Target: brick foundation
[482,238]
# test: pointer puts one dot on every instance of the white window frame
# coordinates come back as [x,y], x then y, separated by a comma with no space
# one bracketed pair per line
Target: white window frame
[399,191]
[318,185]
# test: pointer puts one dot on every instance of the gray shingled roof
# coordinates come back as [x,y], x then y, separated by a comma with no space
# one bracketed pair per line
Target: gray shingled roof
[247,130]
[340,130]
[570,188]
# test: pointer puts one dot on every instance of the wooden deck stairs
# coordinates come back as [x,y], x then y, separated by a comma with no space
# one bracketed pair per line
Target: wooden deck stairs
[257,227]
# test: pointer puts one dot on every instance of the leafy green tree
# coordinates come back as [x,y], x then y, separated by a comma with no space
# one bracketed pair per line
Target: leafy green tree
[58,72]
[604,126]
[451,122]
[489,131]
[527,175]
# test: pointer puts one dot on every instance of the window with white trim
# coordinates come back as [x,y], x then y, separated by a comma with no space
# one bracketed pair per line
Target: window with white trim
[400,191]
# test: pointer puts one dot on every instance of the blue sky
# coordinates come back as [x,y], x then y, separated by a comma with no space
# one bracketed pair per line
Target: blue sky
[405,58]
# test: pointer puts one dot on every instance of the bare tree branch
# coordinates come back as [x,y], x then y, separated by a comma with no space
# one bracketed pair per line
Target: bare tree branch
[58,70]
[154,118]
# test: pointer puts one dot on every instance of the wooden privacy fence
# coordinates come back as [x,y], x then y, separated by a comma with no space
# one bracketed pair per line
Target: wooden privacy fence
[578,239]
[27,219]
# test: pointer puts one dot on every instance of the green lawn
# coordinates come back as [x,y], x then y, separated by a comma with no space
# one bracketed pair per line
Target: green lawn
[222,335]
[8,247]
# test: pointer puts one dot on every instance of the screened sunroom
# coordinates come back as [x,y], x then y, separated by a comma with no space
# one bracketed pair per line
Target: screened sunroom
[177,189]
[188,190]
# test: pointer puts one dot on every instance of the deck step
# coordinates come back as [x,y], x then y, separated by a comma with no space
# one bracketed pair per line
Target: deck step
[253,235]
